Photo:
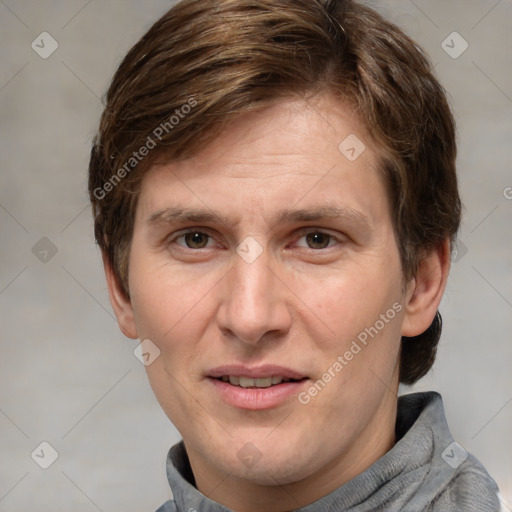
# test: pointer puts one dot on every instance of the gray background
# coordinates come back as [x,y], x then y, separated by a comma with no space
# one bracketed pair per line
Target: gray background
[68,376]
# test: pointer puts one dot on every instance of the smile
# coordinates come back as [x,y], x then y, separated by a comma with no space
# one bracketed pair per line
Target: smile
[249,382]
[255,388]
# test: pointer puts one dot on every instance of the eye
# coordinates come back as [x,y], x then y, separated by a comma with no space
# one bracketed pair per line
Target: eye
[317,240]
[193,240]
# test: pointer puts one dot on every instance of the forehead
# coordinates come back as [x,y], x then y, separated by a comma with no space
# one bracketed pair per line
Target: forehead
[296,152]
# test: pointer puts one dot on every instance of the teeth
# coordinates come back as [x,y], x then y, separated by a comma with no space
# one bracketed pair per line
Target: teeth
[263,383]
[249,382]
[246,382]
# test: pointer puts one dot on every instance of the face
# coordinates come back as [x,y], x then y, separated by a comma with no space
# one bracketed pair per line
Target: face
[267,273]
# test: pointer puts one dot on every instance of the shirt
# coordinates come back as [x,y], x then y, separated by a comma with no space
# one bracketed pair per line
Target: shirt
[426,470]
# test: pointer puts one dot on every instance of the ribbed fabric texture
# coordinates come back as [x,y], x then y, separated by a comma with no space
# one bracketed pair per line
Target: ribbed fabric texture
[424,471]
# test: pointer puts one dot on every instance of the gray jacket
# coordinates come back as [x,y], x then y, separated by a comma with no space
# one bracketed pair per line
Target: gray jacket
[425,471]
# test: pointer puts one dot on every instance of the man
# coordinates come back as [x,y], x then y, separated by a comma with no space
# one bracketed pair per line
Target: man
[275,198]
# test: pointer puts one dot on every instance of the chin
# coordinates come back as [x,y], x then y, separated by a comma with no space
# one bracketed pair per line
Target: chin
[270,463]
[278,471]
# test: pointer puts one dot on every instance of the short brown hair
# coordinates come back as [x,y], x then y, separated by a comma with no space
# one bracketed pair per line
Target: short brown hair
[206,62]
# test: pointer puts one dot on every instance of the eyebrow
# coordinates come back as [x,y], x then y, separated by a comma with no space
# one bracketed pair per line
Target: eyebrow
[183,216]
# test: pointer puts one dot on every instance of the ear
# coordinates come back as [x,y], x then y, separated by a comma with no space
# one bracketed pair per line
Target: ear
[121,304]
[426,289]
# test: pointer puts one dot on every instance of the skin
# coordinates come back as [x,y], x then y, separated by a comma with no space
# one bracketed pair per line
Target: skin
[300,304]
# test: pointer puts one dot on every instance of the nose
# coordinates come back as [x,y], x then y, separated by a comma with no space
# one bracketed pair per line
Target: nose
[254,305]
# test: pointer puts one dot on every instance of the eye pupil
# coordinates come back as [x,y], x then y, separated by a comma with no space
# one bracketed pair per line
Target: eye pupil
[315,240]
[318,240]
[196,240]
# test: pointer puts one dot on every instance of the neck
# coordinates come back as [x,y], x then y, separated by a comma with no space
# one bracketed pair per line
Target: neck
[242,495]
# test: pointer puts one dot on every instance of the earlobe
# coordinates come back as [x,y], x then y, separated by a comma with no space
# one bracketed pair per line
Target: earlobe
[426,290]
[121,304]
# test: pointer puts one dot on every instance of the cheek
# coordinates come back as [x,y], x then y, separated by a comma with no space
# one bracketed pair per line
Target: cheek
[163,311]
[162,296]
[349,303]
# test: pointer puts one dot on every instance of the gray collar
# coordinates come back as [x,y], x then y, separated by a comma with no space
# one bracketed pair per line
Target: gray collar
[412,474]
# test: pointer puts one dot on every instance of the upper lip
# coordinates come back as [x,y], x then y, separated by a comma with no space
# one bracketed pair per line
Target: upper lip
[255,372]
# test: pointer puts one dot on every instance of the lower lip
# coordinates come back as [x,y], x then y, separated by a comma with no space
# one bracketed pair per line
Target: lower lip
[257,398]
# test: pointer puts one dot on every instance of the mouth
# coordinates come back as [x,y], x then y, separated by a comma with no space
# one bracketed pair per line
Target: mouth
[260,383]
[256,388]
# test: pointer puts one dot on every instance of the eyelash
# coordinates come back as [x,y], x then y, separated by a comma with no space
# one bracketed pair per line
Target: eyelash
[302,233]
